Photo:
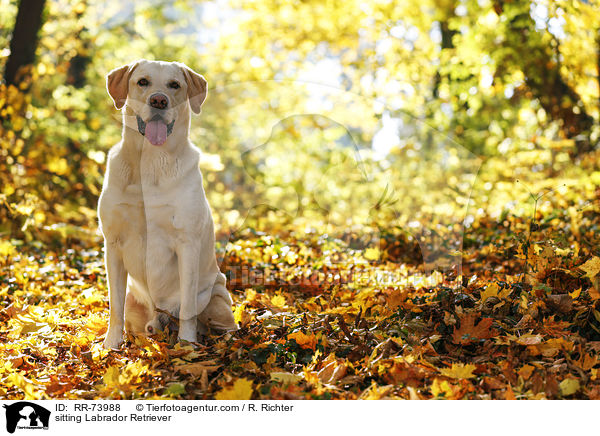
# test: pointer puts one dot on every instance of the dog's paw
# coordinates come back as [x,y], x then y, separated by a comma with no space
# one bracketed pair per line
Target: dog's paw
[114,338]
[187,330]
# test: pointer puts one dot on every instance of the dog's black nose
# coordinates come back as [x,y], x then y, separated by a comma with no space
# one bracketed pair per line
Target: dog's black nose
[159,101]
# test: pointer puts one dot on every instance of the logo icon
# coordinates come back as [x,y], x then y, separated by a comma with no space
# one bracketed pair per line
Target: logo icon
[26,415]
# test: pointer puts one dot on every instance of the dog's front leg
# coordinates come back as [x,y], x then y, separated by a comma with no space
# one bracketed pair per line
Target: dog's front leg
[117,281]
[189,277]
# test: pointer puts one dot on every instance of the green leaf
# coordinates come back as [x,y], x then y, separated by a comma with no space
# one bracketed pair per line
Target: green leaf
[175,389]
[569,386]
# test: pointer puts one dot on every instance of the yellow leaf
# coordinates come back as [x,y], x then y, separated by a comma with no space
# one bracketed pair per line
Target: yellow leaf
[441,388]
[278,301]
[18,124]
[26,385]
[568,386]
[591,267]
[251,295]
[111,376]
[58,166]
[494,290]
[575,294]
[563,252]
[372,253]
[291,258]
[237,313]
[285,377]
[6,249]
[95,124]
[9,190]
[459,371]
[241,390]
[39,217]
[437,387]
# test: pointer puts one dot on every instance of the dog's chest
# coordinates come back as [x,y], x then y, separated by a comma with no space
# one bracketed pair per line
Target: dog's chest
[142,229]
[147,211]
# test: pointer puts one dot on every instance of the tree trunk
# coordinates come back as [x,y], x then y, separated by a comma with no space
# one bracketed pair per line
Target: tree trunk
[24,38]
[559,100]
[79,63]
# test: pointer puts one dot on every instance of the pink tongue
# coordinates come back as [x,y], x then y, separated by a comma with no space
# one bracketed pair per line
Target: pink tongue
[156,132]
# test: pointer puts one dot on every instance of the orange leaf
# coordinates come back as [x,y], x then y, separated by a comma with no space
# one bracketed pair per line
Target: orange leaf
[469,331]
[526,371]
[303,340]
[510,395]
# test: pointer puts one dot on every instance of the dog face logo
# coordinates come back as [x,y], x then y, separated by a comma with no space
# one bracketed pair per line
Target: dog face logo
[26,415]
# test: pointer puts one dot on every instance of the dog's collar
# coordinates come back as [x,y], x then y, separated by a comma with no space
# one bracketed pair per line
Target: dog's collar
[142,125]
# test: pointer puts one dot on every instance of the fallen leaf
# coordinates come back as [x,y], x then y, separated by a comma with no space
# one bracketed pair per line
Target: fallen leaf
[285,377]
[469,331]
[241,390]
[569,386]
[591,267]
[303,340]
[494,290]
[444,389]
[196,368]
[526,371]
[509,394]
[111,376]
[587,361]
[278,301]
[175,389]
[575,294]
[6,248]
[333,372]
[459,371]
[372,253]
[529,339]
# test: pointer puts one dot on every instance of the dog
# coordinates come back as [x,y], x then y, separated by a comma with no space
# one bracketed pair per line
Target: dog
[158,230]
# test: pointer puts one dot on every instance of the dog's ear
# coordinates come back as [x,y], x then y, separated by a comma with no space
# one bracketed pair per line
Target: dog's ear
[117,83]
[196,88]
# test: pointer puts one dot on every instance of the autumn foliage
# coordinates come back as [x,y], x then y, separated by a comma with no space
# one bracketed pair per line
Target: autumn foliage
[521,322]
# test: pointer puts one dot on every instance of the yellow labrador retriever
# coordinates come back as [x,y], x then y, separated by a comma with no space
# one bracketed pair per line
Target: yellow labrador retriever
[156,221]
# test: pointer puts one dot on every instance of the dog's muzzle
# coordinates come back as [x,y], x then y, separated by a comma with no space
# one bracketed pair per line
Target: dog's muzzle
[156,130]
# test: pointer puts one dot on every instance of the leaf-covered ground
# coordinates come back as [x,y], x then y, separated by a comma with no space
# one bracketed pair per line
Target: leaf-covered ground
[521,322]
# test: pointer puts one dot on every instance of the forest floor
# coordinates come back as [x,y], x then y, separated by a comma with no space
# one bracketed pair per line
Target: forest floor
[318,322]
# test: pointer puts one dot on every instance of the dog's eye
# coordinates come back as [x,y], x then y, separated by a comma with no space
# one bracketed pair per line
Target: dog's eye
[143,82]
[174,85]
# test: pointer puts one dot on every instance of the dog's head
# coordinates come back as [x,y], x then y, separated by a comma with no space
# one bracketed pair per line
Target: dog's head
[158,94]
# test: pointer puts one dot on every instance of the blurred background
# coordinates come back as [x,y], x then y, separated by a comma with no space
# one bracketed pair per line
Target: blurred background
[320,113]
